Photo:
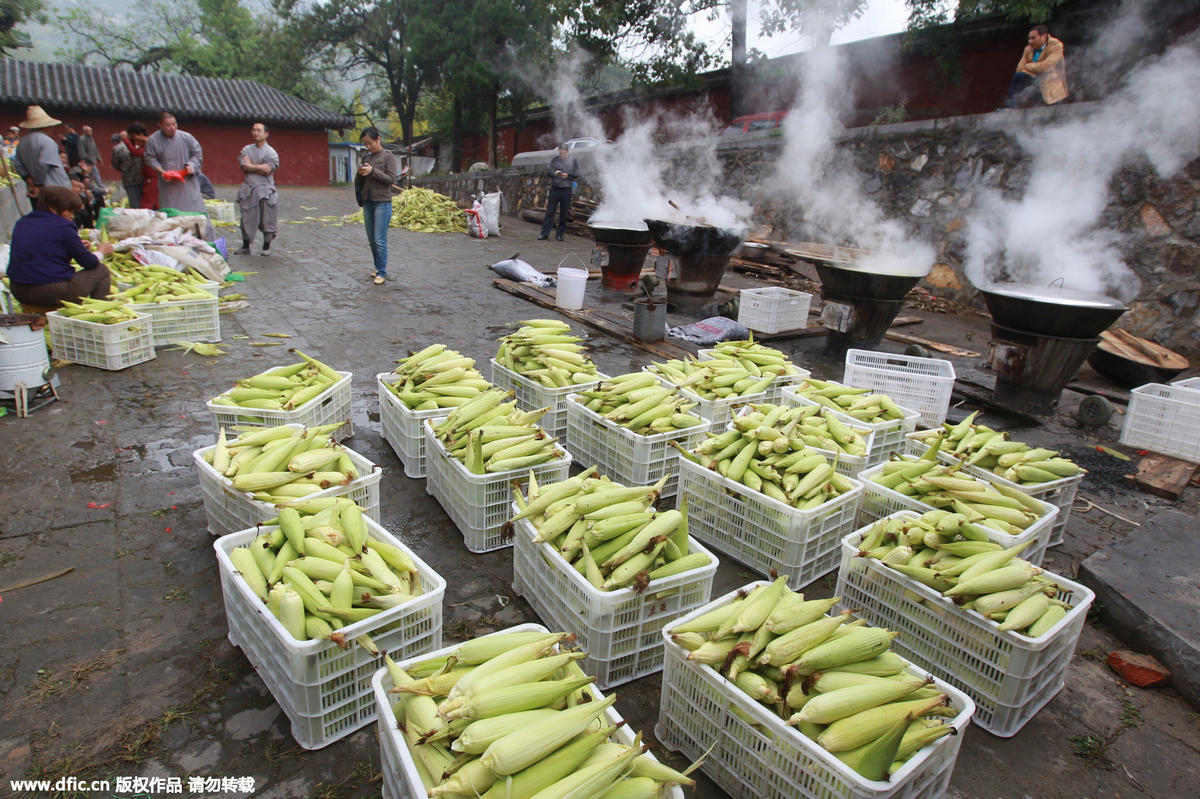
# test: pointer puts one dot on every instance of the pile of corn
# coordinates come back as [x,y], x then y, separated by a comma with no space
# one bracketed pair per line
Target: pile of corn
[610,533]
[765,455]
[717,379]
[945,552]
[490,435]
[860,403]
[104,312]
[837,681]
[283,388]
[276,464]
[989,449]
[508,716]
[754,357]
[422,211]
[318,573]
[638,402]
[944,487]
[813,426]
[437,377]
[157,283]
[544,350]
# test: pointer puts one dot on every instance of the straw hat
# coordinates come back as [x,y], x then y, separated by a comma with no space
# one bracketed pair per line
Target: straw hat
[35,118]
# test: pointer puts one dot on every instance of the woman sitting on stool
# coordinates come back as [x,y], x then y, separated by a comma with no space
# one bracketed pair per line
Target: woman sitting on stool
[44,242]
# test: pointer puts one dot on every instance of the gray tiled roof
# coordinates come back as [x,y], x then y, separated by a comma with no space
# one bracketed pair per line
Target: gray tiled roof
[76,87]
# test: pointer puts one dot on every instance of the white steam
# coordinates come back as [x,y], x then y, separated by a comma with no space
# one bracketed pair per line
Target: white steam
[1054,229]
[820,181]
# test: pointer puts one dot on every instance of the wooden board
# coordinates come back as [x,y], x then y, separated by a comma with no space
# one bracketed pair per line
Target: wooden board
[949,349]
[1125,345]
[1163,476]
[613,326]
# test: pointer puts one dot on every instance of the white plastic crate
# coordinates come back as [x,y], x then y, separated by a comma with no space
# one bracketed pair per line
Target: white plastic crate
[331,405]
[1059,493]
[624,455]
[774,392]
[620,630]
[326,690]
[109,347]
[923,384]
[763,533]
[402,426]
[183,320]
[229,511]
[400,777]
[1163,419]
[773,309]
[1008,675]
[879,501]
[221,210]
[848,465]
[480,504]
[1192,383]
[886,437]
[750,752]
[533,396]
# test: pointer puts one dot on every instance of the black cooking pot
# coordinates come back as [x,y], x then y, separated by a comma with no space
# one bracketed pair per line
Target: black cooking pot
[1128,373]
[1051,311]
[857,283]
[704,240]
[622,234]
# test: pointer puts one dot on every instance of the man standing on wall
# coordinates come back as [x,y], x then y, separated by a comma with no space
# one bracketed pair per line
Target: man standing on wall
[1043,64]
[373,189]
[257,199]
[176,157]
[563,170]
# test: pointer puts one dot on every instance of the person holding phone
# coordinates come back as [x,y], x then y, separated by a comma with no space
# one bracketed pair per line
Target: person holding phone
[373,189]
[563,170]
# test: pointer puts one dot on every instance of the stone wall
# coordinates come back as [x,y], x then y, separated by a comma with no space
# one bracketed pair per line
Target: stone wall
[926,174]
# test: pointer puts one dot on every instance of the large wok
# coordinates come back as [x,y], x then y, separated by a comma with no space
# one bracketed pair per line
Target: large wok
[680,239]
[1051,311]
[621,234]
[856,283]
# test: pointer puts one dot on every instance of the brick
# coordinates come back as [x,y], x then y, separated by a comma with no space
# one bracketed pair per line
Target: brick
[1144,671]
[1152,219]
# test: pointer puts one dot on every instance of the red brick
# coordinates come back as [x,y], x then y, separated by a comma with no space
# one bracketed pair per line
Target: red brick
[1143,671]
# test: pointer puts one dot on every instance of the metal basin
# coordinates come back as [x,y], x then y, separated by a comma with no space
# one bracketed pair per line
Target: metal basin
[859,284]
[1051,311]
[705,240]
[623,234]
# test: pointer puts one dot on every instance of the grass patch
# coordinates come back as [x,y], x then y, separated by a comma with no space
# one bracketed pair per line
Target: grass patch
[178,594]
[7,558]
[1093,749]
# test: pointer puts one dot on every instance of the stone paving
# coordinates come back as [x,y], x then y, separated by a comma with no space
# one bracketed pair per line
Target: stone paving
[122,668]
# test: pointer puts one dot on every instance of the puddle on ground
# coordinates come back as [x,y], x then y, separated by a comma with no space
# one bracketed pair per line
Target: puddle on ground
[104,473]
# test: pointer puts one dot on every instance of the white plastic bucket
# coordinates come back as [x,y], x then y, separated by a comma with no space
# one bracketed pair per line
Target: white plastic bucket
[571,284]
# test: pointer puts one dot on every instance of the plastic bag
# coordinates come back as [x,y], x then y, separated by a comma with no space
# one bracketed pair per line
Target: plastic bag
[175,174]
[710,331]
[476,224]
[516,269]
[491,212]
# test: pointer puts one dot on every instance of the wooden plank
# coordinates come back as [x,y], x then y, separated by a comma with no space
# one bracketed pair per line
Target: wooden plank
[613,327]
[1163,476]
[949,349]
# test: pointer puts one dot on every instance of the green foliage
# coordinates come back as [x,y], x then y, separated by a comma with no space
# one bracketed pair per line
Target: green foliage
[12,14]
[926,13]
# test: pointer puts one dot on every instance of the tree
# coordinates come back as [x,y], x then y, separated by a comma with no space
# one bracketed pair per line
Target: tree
[12,14]
[926,13]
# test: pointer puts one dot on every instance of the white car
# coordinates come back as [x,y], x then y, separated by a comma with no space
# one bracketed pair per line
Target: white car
[575,146]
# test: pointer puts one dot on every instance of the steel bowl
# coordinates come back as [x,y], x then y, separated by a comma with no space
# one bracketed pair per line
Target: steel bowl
[623,234]
[703,240]
[1051,311]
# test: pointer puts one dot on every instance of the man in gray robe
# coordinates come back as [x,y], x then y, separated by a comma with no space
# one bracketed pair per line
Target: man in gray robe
[257,199]
[176,156]
[37,160]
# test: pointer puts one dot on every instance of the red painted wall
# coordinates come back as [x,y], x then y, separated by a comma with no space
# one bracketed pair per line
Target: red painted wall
[303,154]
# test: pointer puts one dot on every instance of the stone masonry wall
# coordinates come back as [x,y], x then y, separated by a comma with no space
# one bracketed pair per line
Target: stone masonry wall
[926,174]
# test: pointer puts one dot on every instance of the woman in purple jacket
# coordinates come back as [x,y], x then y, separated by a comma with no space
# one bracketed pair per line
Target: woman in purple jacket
[44,242]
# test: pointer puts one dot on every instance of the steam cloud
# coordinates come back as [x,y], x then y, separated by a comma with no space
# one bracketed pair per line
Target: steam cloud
[1054,229]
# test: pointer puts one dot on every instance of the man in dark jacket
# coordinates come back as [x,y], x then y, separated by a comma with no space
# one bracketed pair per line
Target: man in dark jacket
[563,170]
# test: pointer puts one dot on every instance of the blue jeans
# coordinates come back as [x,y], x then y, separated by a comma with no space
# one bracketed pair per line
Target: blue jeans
[559,198]
[376,217]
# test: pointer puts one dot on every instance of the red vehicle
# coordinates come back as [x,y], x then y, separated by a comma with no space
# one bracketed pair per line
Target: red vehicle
[755,123]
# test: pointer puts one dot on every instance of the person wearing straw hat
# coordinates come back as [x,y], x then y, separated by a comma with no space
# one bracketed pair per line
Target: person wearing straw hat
[37,159]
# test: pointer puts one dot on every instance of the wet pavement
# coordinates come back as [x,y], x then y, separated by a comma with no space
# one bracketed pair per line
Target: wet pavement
[121,667]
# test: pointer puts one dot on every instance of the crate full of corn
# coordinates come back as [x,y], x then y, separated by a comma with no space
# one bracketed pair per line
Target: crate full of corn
[784,701]
[970,611]
[759,359]
[184,305]
[626,426]
[541,362]
[244,478]
[594,558]
[307,393]
[314,602]
[844,445]
[982,452]
[425,385]
[1008,515]
[728,379]
[474,456]
[495,717]
[861,408]
[104,334]
[768,499]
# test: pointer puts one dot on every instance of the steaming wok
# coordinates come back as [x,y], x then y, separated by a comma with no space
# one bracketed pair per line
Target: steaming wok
[694,239]
[625,234]
[865,285]
[1051,311]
